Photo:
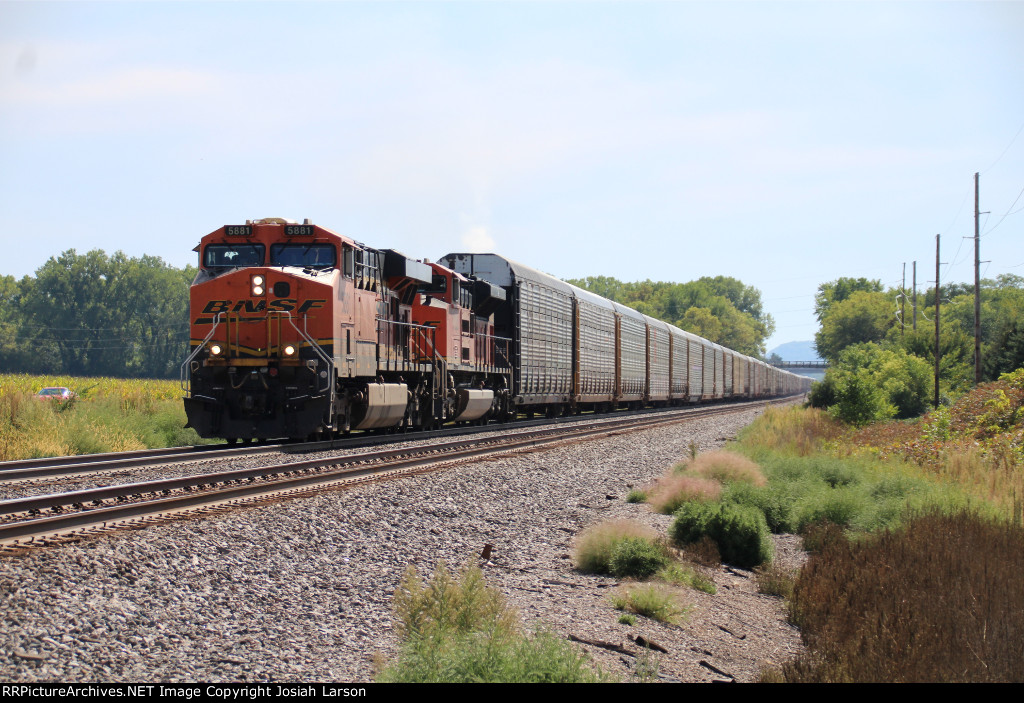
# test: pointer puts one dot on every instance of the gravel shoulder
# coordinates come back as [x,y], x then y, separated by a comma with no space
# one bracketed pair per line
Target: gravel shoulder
[301,590]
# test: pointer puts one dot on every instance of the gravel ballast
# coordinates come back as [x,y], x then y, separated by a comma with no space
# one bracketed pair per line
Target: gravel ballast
[301,590]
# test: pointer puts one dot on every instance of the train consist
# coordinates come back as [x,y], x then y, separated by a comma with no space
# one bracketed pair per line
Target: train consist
[300,332]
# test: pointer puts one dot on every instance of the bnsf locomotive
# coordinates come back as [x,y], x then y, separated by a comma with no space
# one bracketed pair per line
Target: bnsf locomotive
[301,332]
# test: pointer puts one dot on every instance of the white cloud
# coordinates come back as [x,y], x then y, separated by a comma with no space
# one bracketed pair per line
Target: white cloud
[478,239]
[128,85]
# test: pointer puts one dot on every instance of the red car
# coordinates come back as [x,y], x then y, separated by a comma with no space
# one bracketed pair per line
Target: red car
[59,394]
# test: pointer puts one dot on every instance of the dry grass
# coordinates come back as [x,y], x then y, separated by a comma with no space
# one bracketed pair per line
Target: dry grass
[595,545]
[940,599]
[977,443]
[651,601]
[793,430]
[671,491]
[727,467]
[108,415]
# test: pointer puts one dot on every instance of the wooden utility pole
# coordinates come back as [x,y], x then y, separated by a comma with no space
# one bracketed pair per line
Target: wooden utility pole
[938,300]
[903,299]
[914,302]
[977,288]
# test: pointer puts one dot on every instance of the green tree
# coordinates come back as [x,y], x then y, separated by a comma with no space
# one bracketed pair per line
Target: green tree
[15,349]
[1002,311]
[862,317]
[91,314]
[839,290]
[870,383]
[956,352]
[727,312]
[702,323]
[1007,353]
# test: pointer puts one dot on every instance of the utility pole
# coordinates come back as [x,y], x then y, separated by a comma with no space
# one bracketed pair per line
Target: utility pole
[938,300]
[977,288]
[914,302]
[903,299]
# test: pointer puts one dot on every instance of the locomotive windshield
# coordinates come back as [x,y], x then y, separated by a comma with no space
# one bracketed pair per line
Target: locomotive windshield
[223,256]
[317,256]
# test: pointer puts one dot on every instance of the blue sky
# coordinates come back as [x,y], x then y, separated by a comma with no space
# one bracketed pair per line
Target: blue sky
[782,143]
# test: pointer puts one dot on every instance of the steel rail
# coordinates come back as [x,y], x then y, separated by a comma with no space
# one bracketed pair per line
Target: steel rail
[93,506]
[55,467]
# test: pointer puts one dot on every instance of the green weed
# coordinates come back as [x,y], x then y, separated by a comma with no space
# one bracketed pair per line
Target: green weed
[655,602]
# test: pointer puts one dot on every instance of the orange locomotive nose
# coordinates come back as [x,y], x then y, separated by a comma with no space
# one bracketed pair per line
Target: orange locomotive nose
[262,337]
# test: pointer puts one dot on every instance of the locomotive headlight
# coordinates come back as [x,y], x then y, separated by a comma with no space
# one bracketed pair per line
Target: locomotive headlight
[257,280]
[289,350]
[257,290]
[215,350]
[257,284]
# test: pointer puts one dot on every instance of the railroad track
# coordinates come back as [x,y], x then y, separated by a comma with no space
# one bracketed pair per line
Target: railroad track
[42,469]
[41,520]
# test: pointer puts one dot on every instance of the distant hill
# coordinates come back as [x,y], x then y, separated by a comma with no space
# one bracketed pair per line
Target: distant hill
[796,351]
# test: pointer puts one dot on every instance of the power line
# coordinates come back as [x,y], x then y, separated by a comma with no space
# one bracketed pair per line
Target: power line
[1019,130]
[1008,213]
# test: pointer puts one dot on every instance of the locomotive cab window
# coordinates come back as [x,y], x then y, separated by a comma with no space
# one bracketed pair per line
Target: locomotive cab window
[350,262]
[367,269]
[315,256]
[438,285]
[225,256]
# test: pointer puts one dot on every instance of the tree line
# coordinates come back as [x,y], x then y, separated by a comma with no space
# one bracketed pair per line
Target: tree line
[720,309]
[96,315]
[883,367]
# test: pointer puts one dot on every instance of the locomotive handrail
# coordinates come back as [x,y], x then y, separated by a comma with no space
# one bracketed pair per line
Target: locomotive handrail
[316,350]
[186,376]
[497,348]
[414,326]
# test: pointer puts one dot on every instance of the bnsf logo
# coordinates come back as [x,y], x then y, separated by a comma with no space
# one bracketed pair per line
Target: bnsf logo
[281,305]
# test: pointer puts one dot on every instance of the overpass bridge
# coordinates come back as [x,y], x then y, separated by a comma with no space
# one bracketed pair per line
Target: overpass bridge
[817,364]
[813,369]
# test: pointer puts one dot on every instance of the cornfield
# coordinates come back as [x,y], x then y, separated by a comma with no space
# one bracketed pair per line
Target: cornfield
[92,388]
[106,415]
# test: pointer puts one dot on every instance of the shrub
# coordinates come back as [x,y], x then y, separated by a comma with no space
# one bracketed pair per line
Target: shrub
[594,547]
[636,557]
[673,490]
[871,383]
[823,393]
[775,501]
[859,401]
[461,630]
[739,531]
[679,575]
[447,605]
[727,467]
[479,658]
[636,496]
[655,602]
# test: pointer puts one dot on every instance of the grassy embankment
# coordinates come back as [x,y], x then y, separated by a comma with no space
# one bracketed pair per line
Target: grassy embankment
[108,415]
[915,530]
[915,569]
